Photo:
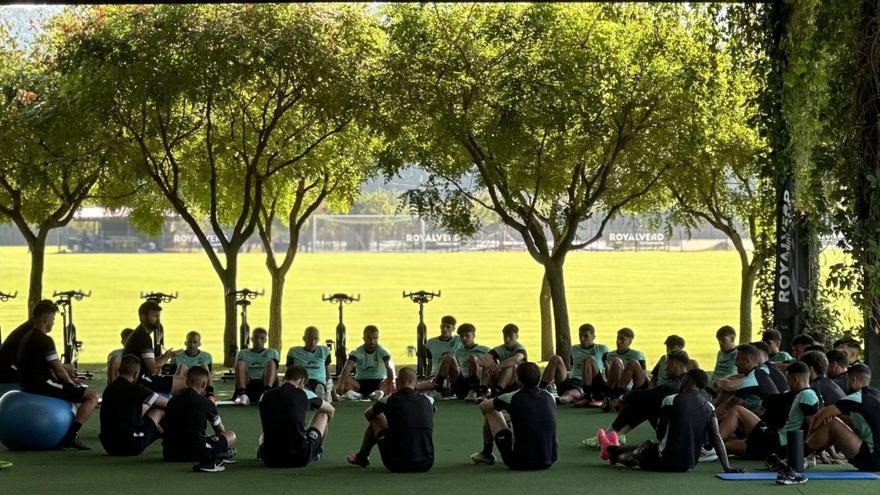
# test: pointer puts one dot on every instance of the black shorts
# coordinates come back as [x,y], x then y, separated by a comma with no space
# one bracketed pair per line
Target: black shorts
[762,442]
[313,385]
[215,446]
[504,442]
[570,384]
[63,391]
[394,461]
[599,388]
[370,385]
[649,459]
[255,389]
[131,445]
[464,385]
[865,460]
[161,384]
[309,451]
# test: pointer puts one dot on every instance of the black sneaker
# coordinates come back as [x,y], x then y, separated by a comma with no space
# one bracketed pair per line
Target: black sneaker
[74,443]
[227,457]
[789,476]
[774,463]
[209,467]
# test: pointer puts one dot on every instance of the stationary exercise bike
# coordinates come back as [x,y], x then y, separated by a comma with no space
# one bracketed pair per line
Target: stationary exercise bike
[423,367]
[159,333]
[72,345]
[243,299]
[340,352]
[4,296]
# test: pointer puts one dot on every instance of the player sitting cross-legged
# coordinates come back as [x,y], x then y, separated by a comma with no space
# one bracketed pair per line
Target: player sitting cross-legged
[130,412]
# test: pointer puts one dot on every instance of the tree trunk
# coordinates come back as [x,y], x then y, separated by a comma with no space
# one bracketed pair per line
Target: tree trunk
[544,302]
[38,262]
[230,330]
[554,273]
[747,287]
[276,300]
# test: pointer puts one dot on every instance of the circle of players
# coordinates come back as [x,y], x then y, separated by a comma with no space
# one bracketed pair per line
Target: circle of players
[755,396]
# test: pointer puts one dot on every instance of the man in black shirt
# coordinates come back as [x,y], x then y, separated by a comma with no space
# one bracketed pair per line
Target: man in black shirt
[130,412]
[285,441]
[827,389]
[838,363]
[186,417]
[859,438]
[776,375]
[42,372]
[140,345]
[532,412]
[9,352]
[685,420]
[402,425]
[751,386]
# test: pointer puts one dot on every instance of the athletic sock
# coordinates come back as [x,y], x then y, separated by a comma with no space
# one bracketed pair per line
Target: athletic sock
[488,442]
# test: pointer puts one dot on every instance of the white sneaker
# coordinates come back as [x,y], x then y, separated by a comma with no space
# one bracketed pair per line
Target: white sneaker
[377,395]
[352,395]
[551,389]
[708,455]
[471,396]
[243,400]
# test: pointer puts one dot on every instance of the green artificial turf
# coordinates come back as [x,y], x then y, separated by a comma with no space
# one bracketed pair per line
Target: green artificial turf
[457,433]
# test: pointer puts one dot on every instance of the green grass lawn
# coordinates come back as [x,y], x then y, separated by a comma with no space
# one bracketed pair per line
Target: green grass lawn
[655,293]
[457,427]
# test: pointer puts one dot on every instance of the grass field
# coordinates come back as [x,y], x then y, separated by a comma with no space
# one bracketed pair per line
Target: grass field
[655,293]
[457,427]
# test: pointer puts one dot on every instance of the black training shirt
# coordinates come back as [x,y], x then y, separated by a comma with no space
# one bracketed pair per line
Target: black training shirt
[410,417]
[9,347]
[283,415]
[122,409]
[533,414]
[684,422]
[35,353]
[186,417]
[140,345]
[827,389]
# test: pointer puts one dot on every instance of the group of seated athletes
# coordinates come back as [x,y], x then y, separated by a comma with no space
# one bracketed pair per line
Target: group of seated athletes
[755,395]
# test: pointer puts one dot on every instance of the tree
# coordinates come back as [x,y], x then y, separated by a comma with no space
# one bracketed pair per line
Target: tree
[53,151]
[332,174]
[720,182]
[217,100]
[558,113]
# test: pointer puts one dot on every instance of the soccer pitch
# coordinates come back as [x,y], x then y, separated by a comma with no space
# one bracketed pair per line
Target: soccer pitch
[655,293]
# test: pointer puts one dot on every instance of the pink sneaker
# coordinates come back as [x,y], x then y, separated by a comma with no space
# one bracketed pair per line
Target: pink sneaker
[603,444]
[613,439]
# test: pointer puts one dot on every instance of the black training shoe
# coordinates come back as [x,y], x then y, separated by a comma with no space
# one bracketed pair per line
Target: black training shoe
[789,476]
[75,443]
[209,467]
[227,457]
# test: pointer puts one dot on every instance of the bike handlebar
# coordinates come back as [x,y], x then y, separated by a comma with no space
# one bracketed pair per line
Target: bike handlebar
[421,296]
[340,297]
[72,294]
[5,296]
[246,293]
[159,296]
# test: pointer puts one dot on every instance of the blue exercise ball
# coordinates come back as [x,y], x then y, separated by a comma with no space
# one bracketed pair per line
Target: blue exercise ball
[33,422]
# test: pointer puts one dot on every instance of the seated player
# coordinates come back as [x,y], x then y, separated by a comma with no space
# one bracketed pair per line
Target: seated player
[499,365]
[686,419]
[115,357]
[191,356]
[760,439]
[576,379]
[130,412]
[441,351]
[776,373]
[819,338]
[799,345]
[748,388]
[41,372]
[828,391]
[851,347]
[9,352]
[374,373]
[140,345]
[316,359]
[625,370]
[852,424]
[725,362]
[402,425]
[464,366]
[531,411]
[256,369]
[186,417]
[286,442]
[773,339]
[838,364]
[658,373]
[639,406]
